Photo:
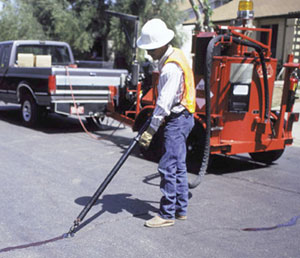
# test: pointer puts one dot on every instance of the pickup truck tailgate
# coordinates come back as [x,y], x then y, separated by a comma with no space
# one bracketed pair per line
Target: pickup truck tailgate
[90,88]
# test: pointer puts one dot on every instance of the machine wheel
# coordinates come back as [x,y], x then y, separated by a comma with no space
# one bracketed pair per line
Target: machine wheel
[29,110]
[267,156]
[195,148]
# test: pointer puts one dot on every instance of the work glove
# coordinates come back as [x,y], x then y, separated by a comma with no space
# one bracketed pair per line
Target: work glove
[146,137]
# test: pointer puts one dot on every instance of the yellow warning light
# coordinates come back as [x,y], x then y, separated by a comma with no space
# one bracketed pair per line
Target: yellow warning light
[246,5]
[246,9]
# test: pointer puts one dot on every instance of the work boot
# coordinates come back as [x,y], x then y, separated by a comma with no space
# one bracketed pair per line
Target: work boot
[158,222]
[181,217]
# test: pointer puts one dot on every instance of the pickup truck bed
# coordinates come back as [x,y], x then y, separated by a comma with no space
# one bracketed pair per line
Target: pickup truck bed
[56,86]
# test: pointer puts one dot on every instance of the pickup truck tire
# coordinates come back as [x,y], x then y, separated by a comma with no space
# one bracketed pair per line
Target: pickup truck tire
[29,110]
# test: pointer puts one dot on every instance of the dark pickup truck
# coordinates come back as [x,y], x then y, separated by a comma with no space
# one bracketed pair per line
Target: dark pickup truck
[42,76]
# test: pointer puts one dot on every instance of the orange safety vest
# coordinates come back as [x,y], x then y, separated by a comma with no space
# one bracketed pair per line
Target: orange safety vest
[188,99]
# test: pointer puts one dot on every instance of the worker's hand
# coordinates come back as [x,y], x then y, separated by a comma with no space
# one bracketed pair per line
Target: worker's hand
[146,137]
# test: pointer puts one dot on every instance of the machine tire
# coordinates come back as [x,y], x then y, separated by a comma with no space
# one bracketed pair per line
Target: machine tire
[195,149]
[267,157]
[29,110]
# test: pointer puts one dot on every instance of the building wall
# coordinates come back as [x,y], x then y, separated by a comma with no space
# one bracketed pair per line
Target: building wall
[285,36]
[216,3]
[288,38]
[187,45]
[187,30]
[296,41]
[280,36]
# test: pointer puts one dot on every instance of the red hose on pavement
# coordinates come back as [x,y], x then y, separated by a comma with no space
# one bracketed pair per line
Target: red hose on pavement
[93,136]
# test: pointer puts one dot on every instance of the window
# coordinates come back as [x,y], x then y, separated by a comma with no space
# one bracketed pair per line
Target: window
[59,54]
[5,53]
[1,54]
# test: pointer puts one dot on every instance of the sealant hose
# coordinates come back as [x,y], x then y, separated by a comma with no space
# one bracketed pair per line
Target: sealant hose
[260,51]
[209,60]
[206,153]
[76,107]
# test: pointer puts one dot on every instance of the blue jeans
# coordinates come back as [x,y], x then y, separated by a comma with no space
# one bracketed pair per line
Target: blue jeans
[172,166]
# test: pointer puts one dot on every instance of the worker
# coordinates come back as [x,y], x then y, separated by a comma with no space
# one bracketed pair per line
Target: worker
[174,107]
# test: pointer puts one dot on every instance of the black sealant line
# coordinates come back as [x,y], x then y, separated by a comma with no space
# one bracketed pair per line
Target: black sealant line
[39,243]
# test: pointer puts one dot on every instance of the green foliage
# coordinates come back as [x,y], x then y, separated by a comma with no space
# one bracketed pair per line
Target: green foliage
[17,22]
[208,13]
[145,10]
[69,21]
[81,23]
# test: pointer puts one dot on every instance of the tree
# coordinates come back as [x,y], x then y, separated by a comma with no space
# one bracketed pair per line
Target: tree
[68,21]
[82,23]
[145,10]
[17,22]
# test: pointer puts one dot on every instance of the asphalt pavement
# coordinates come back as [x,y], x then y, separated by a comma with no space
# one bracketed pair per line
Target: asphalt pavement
[47,175]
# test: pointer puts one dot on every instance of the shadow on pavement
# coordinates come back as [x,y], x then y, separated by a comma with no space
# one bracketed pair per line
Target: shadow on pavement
[52,123]
[55,124]
[229,164]
[116,203]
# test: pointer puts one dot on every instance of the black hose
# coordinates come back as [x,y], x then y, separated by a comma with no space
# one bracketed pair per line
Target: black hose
[206,152]
[260,51]
[266,84]
[209,60]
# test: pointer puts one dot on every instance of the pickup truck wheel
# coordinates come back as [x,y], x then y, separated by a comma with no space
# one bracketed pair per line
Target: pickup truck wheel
[29,110]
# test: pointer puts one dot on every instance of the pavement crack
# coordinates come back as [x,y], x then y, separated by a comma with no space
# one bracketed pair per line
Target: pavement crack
[262,184]
[211,229]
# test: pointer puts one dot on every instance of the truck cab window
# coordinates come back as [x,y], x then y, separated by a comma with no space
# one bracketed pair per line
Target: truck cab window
[1,54]
[4,56]
[59,54]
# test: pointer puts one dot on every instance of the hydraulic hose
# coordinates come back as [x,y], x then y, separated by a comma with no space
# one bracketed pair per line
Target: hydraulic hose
[206,152]
[209,60]
[260,51]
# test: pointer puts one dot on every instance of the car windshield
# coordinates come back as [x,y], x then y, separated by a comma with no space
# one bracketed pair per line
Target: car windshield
[59,54]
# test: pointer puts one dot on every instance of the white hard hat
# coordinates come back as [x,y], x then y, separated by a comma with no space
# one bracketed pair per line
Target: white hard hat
[155,34]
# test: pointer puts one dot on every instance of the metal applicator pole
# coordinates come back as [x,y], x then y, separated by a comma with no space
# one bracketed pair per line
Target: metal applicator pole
[108,179]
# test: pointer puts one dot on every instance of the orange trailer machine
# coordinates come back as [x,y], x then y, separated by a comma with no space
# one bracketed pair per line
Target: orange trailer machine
[235,77]
[241,82]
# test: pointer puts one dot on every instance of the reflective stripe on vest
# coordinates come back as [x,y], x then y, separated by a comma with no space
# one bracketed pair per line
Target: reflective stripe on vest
[188,99]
